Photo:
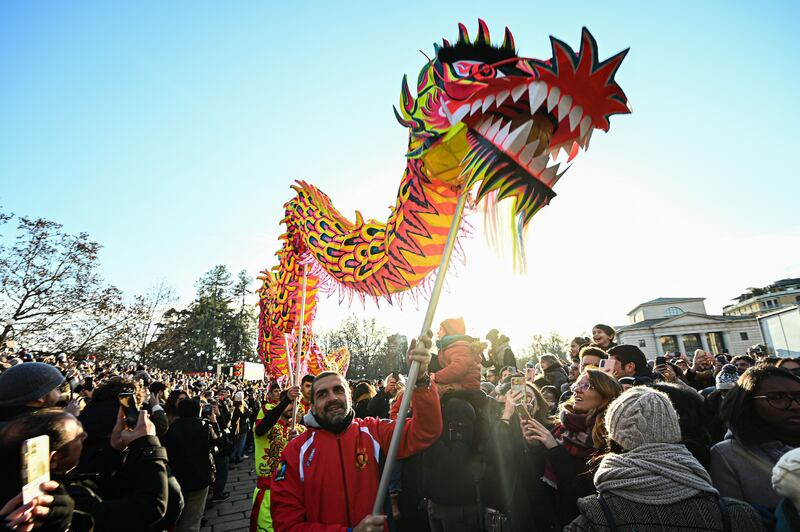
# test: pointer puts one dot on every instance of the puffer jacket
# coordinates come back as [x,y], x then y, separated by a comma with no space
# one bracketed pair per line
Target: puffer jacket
[460,358]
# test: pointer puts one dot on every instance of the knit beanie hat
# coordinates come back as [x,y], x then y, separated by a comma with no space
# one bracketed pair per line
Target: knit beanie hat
[238,397]
[727,377]
[454,327]
[28,382]
[786,476]
[640,416]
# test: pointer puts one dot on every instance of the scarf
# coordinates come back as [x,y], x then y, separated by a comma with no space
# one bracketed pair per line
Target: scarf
[655,473]
[311,420]
[574,434]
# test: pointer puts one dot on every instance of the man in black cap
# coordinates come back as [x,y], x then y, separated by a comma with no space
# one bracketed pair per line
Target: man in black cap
[28,387]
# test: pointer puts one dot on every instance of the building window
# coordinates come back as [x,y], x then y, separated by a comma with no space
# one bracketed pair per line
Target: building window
[642,343]
[691,342]
[673,311]
[716,343]
[669,344]
[743,336]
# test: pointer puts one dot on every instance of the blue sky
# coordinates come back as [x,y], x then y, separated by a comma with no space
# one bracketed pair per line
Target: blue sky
[171,132]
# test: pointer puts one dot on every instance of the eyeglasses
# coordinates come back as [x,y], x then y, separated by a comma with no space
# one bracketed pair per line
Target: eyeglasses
[582,387]
[780,400]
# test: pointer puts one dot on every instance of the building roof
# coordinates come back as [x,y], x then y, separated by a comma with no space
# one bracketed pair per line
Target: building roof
[666,300]
[652,323]
[644,324]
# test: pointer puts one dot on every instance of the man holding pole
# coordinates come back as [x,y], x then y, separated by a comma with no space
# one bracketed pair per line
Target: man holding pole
[328,476]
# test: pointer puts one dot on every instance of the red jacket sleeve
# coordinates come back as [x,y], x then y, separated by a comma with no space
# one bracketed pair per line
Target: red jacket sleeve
[420,431]
[286,498]
[461,361]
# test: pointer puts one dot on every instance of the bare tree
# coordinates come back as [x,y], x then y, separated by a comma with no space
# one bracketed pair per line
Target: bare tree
[51,296]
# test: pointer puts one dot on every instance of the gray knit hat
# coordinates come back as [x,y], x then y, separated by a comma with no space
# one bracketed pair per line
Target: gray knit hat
[28,382]
[640,416]
[727,377]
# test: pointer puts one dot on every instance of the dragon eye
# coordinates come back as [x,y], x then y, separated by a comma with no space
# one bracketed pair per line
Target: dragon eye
[481,72]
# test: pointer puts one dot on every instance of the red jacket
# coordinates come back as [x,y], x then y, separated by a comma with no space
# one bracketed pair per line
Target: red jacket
[328,482]
[461,365]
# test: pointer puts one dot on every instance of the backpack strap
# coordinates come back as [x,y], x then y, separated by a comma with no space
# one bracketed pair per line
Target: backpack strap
[726,517]
[610,521]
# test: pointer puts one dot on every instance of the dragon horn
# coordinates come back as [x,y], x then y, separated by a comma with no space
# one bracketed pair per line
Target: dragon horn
[406,100]
[508,40]
[446,43]
[483,33]
[463,34]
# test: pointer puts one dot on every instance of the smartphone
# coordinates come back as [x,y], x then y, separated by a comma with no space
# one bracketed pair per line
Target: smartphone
[88,383]
[660,361]
[607,365]
[208,409]
[35,466]
[128,403]
[518,388]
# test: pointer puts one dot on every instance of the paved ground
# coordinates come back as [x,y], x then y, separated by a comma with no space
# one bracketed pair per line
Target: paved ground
[234,514]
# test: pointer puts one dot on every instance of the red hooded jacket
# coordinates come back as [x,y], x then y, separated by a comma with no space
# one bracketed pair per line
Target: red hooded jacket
[327,482]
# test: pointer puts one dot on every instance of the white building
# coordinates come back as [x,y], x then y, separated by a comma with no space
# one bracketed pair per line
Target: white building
[781,331]
[681,325]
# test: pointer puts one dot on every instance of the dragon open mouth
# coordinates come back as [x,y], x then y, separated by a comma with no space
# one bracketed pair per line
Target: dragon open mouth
[523,122]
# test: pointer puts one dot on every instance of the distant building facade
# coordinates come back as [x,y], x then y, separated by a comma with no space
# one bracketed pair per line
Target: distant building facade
[781,330]
[681,325]
[757,301]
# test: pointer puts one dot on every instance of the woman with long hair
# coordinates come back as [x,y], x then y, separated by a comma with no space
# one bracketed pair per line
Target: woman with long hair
[578,437]
[763,415]
[553,373]
[240,426]
[513,483]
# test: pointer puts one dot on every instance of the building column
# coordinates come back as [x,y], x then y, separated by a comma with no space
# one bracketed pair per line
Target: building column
[681,347]
[704,342]
[659,347]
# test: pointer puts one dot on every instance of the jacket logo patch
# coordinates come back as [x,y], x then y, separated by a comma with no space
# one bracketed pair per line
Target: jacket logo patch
[280,472]
[361,458]
[310,457]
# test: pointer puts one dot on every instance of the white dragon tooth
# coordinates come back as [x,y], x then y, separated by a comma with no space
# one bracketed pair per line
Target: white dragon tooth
[550,173]
[575,117]
[516,139]
[502,134]
[485,125]
[552,98]
[475,106]
[518,91]
[487,102]
[528,152]
[494,129]
[585,124]
[587,139]
[501,97]
[460,113]
[538,164]
[564,106]
[537,93]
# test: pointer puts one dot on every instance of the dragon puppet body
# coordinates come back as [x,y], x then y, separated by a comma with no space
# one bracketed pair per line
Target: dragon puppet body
[484,119]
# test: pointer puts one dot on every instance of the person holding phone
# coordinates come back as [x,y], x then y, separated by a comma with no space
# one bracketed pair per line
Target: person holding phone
[577,437]
[515,466]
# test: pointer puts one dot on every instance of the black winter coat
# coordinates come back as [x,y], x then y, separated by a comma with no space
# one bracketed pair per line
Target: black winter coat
[189,443]
[132,496]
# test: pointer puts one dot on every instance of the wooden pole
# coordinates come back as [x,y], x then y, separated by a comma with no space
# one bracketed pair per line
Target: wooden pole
[299,353]
[413,372]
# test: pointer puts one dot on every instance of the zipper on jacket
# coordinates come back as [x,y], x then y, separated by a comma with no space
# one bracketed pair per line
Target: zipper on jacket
[344,480]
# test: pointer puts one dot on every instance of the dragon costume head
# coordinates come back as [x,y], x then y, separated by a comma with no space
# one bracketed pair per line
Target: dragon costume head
[485,114]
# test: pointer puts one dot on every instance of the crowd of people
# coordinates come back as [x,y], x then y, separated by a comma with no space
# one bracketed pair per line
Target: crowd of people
[602,439]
